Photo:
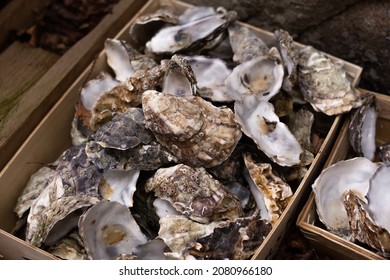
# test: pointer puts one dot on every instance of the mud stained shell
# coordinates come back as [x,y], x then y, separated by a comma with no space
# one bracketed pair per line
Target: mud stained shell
[125,95]
[70,247]
[192,129]
[194,193]
[177,231]
[271,193]
[239,240]
[330,186]
[325,84]
[300,124]
[362,128]
[362,225]
[108,229]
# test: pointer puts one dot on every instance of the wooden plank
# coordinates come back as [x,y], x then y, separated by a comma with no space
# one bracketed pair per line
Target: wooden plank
[22,65]
[38,99]
[17,15]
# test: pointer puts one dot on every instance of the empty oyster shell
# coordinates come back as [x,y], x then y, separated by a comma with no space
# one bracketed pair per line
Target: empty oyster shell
[245,43]
[191,36]
[325,84]
[330,186]
[70,247]
[194,193]
[261,76]
[210,74]
[362,128]
[194,13]
[195,131]
[259,121]
[271,193]
[236,241]
[108,229]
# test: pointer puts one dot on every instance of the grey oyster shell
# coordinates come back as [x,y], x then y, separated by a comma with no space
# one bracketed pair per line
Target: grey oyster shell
[245,43]
[126,130]
[261,76]
[238,240]
[194,13]
[194,193]
[271,193]
[362,128]
[325,84]
[384,153]
[179,78]
[192,36]
[142,157]
[300,124]
[192,129]
[108,229]
[37,183]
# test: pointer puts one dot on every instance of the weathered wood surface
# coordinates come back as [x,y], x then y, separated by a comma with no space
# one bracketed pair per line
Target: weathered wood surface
[35,102]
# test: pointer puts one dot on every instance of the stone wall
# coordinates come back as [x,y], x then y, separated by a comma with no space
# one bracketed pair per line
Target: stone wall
[354,30]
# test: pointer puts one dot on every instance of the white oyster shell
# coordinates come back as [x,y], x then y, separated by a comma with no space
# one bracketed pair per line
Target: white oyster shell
[259,121]
[325,84]
[108,229]
[329,189]
[194,13]
[210,74]
[261,76]
[118,59]
[119,186]
[271,193]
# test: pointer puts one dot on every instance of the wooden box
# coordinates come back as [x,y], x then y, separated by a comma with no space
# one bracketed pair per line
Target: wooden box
[32,79]
[326,243]
[51,137]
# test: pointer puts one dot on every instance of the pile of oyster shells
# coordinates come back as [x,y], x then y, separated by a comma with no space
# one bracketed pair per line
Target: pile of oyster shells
[189,147]
[352,196]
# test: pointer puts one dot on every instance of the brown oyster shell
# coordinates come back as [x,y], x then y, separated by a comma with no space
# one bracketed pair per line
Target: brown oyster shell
[71,247]
[239,240]
[362,225]
[192,129]
[194,193]
[125,95]
[271,193]
[300,124]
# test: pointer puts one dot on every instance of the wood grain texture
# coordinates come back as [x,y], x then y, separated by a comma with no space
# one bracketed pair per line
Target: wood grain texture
[39,98]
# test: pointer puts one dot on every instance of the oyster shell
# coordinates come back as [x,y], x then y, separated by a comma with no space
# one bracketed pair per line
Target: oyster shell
[177,231]
[125,95]
[194,193]
[259,121]
[164,208]
[271,193]
[362,128]
[192,36]
[238,240]
[36,184]
[300,124]
[70,247]
[195,131]
[210,74]
[108,229]
[325,84]
[245,43]
[384,153]
[194,13]
[330,186]
[261,76]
